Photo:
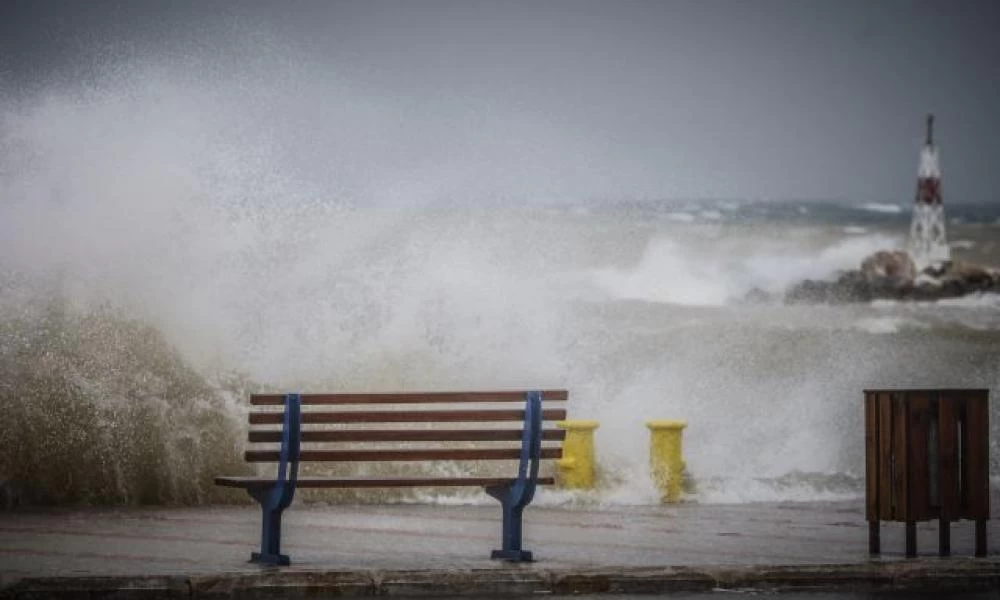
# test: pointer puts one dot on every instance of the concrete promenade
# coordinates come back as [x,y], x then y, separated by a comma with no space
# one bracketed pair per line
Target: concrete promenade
[443,550]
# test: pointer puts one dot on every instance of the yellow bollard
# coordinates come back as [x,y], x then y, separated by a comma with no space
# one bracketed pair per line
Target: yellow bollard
[666,458]
[576,467]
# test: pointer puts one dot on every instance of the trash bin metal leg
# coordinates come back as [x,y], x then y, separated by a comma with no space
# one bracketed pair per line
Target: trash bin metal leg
[911,539]
[944,537]
[874,537]
[980,537]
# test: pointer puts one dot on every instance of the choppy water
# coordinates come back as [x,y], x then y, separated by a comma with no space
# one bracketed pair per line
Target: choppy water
[162,254]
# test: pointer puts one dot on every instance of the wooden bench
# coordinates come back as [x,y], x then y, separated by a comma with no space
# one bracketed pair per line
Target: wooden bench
[318,434]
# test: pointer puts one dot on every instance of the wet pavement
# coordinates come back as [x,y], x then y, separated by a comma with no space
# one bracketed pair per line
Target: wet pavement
[358,545]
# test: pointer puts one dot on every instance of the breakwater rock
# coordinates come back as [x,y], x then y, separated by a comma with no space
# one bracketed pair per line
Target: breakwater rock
[892,275]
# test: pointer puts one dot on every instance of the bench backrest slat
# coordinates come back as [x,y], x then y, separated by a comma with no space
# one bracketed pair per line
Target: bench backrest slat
[407,398]
[407,435]
[406,416]
[401,455]
[438,432]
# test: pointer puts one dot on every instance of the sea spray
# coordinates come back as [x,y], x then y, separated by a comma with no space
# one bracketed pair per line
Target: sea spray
[681,273]
[98,408]
[162,225]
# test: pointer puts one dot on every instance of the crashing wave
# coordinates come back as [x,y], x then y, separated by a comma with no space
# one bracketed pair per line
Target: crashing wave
[98,409]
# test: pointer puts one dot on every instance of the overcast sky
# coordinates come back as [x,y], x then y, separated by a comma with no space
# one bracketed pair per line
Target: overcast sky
[622,98]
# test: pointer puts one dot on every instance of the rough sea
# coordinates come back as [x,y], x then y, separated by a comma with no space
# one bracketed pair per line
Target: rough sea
[168,246]
[144,340]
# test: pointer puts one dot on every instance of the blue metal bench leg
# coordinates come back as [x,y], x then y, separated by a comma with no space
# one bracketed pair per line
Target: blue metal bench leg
[276,498]
[511,535]
[270,541]
[270,537]
[517,494]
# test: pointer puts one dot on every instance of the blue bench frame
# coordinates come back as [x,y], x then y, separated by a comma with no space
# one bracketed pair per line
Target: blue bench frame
[513,497]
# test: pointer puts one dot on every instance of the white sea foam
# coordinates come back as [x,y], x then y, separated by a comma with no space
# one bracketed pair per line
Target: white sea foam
[885,303]
[666,275]
[669,272]
[882,208]
[972,301]
[887,325]
[681,217]
[880,325]
[855,230]
[976,312]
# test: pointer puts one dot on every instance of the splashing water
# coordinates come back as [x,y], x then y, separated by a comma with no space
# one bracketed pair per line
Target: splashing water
[174,238]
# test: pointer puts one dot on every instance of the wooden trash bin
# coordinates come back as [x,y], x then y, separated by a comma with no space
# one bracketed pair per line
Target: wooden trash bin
[927,457]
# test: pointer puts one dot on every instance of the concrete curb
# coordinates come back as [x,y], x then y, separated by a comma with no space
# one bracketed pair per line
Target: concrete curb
[276,583]
[66,588]
[953,574]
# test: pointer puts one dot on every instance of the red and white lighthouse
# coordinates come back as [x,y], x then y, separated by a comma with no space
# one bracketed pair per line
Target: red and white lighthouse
[928,243]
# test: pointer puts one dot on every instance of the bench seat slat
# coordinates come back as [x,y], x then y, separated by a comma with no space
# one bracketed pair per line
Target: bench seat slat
[406,416]
[406,435]
[408,397]
[401,455]
[372,482]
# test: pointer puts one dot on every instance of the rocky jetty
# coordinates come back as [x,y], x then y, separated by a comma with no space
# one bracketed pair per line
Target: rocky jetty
[892,275]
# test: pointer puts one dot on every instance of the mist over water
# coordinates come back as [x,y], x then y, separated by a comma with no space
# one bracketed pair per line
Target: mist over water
[173,237]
